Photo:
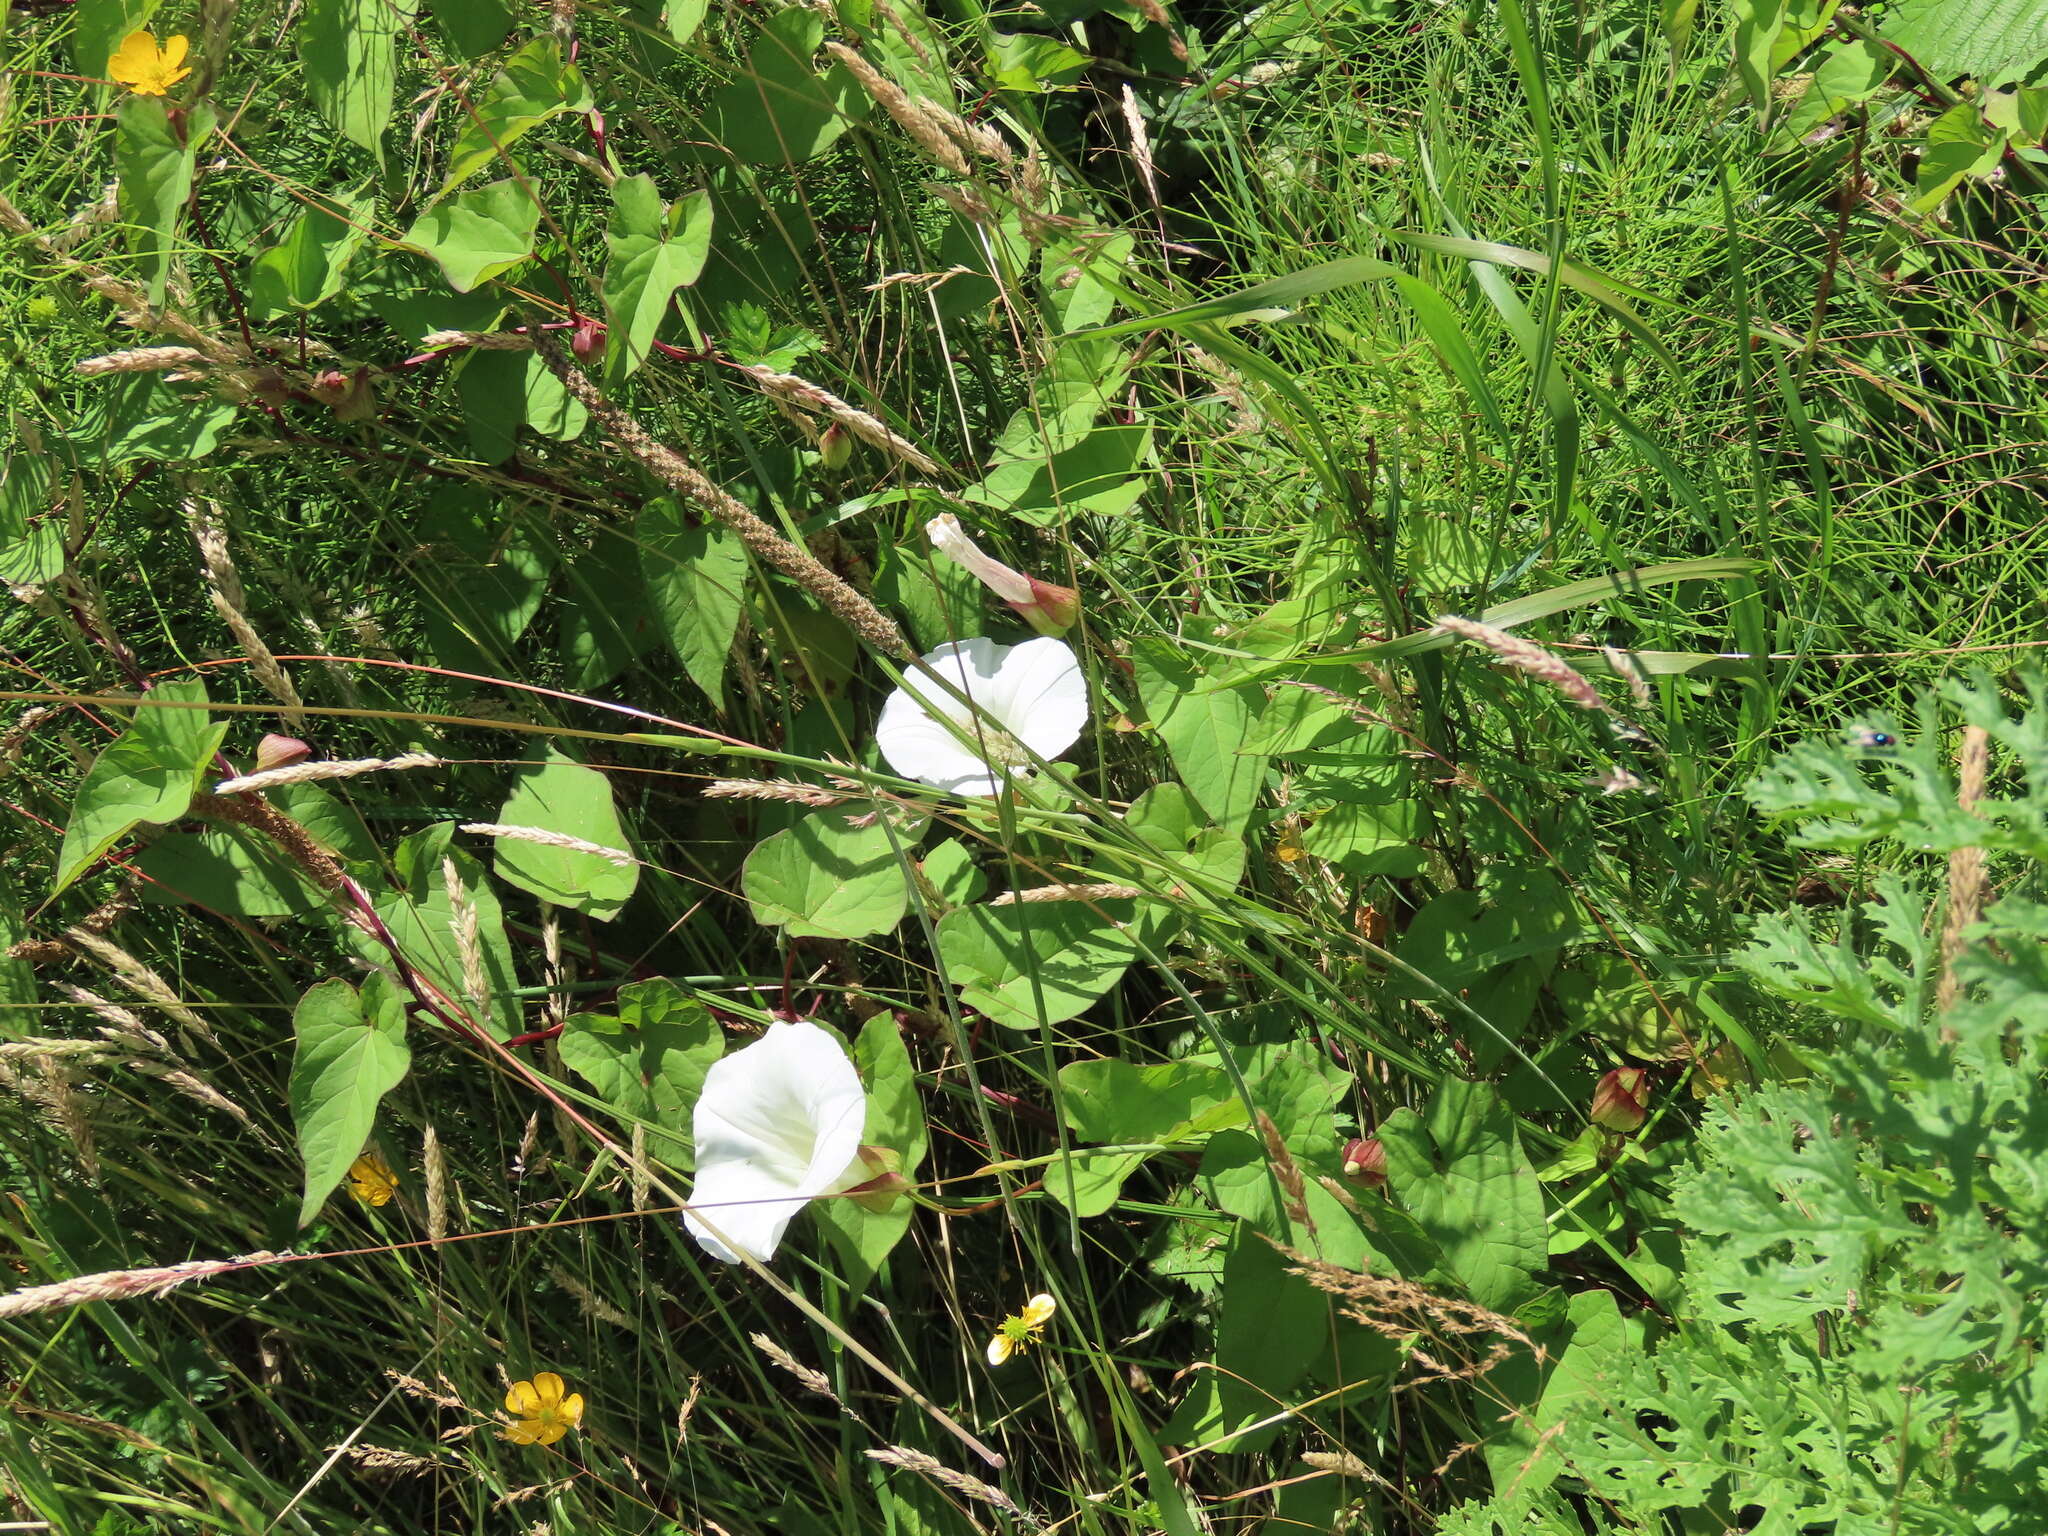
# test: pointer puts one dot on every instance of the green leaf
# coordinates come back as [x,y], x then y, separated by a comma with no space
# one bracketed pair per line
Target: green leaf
[1992,41]
[1030,61]
[1114,1101]
[561,795]
[154,159]
[348,51]
[895,1120]
[1959,145]
[21,1013]
[950,869]
[647,1058]
[1208,734]
[1367,838]
[684,17]
[422,919]
[605,619]
[477,234]
[149,773]
[409,294]
[141,417]
[1372,826]
[696,578]
[824,879]
[1033,962]
[1273,1326]
[473,26]
[536,84]
[226,869]
[654,249]
[1099,474]
[31,544]
[1846,76]
[940,601]
[502,391]
[331,823]
[1198,857]
[1237,1175]
[1471,1189]
[485,578]
[307,267]
[781,111]
[1298,1087]
[350,1052]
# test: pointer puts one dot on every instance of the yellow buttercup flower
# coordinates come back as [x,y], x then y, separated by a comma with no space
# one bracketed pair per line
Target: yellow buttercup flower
[541,1415]
[146,69]
[371,1180]
[1020,1330]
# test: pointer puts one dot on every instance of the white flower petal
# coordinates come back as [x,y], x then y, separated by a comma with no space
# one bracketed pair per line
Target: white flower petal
[1040,696]
[952,541]
[750,1206]
[778,1123]
[1032,693]
[919,747]
[968,665]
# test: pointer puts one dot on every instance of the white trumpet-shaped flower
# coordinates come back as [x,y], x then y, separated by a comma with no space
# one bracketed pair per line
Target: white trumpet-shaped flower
[1048,608]
[1021,701]
[777,1125]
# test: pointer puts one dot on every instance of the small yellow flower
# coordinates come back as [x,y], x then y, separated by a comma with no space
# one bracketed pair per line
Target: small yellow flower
[541,1415]
[146,69]
[1020,1331]
[371,1180]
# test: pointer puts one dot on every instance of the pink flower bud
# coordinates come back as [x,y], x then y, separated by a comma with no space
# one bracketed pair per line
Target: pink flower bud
[1053,610]
[587,340]
[1049,609]
[348,395]
[884,1186]
[835,446]
[1622,1099]
[275,751]
[1365,1160]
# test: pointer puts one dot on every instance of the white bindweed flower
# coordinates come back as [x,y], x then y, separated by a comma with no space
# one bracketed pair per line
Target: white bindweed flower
[777,1125]
[1049,609]
[1026,699]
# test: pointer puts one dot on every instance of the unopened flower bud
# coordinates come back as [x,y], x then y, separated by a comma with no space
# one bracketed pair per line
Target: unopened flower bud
[587,339]
[1049,609]
[884,1185]
[348,395]
[1365,1160]
[835,446]
[1621,1101]
[275,751]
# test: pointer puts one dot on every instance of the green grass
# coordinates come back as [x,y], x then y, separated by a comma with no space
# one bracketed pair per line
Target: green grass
[1314,483]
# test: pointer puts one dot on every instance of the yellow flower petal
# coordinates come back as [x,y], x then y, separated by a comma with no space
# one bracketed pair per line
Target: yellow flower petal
[548,1386]
[522,1431]
[572,1409]
[370,1178]
[175,49]
[550,1431]
[522,1400]
[1000,1348]
[135,55]
[1039,1309]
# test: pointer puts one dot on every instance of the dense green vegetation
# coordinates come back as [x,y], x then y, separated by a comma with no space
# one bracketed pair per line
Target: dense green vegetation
[1516,1006]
